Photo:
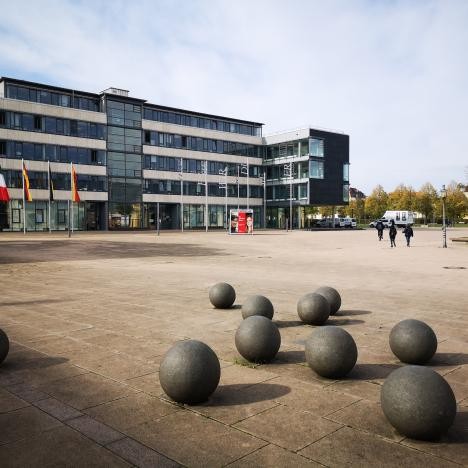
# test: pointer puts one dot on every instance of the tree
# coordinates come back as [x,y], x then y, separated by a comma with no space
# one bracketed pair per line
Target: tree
[456,203]
[426,201]
[377,202]
[402,198]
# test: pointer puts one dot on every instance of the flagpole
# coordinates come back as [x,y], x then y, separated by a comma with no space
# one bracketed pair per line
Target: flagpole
[71,187]
[24,198]
[48,178]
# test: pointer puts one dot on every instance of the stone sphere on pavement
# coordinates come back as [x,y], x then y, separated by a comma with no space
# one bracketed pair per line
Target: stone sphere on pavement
[257,305]
[313,309]
[189,372]
[331,352]
[4,345]
[222,295]
[418,402]
[332,296]
[258,339]
[413,341]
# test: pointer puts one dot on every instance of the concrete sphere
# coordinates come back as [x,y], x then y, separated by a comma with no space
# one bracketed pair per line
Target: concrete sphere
[413,341]
[258,339]
[189,372]
[4,345]
[257,305]
[332,296]
[331,352]
[418,402]
[222,295]
[313,309]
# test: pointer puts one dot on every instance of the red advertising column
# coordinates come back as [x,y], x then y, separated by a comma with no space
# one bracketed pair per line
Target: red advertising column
[242,222]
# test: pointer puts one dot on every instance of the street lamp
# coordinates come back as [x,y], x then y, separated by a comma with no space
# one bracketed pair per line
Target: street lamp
[443,195]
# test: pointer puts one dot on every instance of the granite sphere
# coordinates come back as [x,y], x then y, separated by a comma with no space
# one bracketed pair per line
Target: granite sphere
[258,339]
[413,341]
[313,309]
[222,295]
[331,352]
[4,345]
[418,402]
[189,372]
[332,296]
[257,305]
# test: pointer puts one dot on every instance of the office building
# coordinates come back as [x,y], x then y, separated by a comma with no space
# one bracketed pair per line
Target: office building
[135,160]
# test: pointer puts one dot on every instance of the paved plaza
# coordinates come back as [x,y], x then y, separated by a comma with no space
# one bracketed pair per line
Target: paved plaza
[90,319]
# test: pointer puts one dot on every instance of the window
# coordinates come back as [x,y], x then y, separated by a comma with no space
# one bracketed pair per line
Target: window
[2,117]
[316,169]
[39,216]
[316,147]
[346,172]
[346,193]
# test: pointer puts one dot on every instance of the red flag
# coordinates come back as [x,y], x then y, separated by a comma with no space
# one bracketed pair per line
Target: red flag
[74,186]
[4,195]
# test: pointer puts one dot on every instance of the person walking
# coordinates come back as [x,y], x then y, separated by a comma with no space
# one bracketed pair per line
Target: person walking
[380,227]
[392,232]
[408,232]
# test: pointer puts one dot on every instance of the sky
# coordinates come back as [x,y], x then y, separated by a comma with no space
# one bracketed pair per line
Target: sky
[393,75]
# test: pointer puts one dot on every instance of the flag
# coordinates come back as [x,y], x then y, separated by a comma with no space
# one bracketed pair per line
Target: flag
[51,186]
[74,186]
[27,191]
[4,196]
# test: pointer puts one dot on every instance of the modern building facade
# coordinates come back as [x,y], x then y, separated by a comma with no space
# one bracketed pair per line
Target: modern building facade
[136,160]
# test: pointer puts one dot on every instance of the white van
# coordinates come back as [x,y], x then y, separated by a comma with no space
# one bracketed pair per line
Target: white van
[401,218]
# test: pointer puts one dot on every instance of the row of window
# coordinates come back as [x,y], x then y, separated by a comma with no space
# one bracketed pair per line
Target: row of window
[61,181]
[53,153]
[172,187]
[124,139]
[170,140]
[282,192]
[196,166]
[313,169]
[201,122]
[311,147]
[124,165]
[40,123]
[43,96]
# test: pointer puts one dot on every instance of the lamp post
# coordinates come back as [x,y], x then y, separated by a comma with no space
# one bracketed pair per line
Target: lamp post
[443,195]
[309,217]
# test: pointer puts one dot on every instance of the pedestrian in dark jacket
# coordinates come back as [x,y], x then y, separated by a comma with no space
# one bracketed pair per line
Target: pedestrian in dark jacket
[392,232]
[408,232]
[380,227]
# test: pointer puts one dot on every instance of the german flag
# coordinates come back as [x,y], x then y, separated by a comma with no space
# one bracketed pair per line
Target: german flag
[27,191]
[74,185]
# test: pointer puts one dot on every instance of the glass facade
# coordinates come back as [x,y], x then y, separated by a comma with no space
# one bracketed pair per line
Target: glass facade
[56,126]
[170,140]
[316,169]
[191,120]
[44,96]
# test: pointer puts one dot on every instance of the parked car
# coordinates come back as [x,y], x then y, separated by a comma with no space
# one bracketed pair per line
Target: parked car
[385,222]
[350,223]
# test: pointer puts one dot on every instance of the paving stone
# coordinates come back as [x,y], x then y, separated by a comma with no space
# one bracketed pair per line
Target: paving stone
[199,441]
[140,455]
[359,389]
[148,383]
[57,409]
[100,433]
[349,447]
[366,416]
[273,456]
[453,446]
[27,392]
[287,427]
[60,447]
[23,423]
[131,411]
[9,402]
[84,391]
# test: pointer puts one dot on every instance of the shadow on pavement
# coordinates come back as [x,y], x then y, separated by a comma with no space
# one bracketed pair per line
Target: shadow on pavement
[244,394]
[352,312]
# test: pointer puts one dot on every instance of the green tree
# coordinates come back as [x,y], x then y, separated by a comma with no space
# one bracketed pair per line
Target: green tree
[426,201]
[377,202]
[402,198]
[456,203]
